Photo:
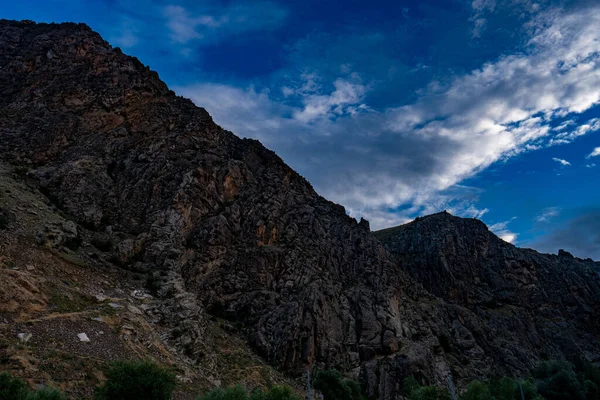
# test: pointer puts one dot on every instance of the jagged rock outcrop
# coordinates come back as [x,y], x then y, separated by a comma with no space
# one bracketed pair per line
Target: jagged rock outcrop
[527,305]
[225,229]
[463,262]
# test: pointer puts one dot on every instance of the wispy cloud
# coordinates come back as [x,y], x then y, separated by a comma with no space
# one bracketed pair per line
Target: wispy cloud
[561,161]
[473,212]
[567,135]
[501,230]
[345,99]
[594,153]
[217,23]
[548,214]
[480,9]
[181,25]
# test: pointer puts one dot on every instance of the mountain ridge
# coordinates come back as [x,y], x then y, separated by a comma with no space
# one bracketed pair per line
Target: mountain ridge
[385,232]
[224,229]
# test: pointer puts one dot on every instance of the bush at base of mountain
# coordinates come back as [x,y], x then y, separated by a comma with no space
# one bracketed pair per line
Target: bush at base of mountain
[46,394]
[501,389]
[16,389]
[551,380]
[414,391]
[239,393]
[333,386]
[133,380]
[559,380]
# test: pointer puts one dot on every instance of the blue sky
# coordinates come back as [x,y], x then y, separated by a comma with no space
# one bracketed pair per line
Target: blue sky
[484,108]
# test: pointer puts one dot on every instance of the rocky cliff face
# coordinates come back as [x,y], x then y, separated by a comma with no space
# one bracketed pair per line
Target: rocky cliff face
[224,229]
[217,216]
[525,304]
[461,261]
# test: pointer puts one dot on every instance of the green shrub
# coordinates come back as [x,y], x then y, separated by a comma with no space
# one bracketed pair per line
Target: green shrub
[12,388]
[334,386]
[46,394]
[239,393]
[505,389]
[529,391]
[414,391]
[591,372]
[592,391]
[231,393]
[429,393]
[557,381]
[275,393]
[410,383]
[477,390]
[590,375]
[133,380]
[16,389]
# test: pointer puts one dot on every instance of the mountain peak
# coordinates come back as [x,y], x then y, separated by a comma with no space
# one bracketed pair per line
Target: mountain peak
[437,223]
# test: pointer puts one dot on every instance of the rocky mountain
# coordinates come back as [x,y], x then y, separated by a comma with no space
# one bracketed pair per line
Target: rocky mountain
[550,300]
[225,231]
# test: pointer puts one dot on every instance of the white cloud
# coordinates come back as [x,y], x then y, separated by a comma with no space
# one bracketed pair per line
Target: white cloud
[592,165]
[247,112]
[547,214]
[181,25]
[220,22]
[478,27]
[473,212]
[561,161]
[345,99]
[480,8]
[594,153]
[501,230]
[509,237]
[567,136]
[483,5]
[377,161]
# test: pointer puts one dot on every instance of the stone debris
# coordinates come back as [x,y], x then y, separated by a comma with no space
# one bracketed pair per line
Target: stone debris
[100,298]
[140,295]
[134,310]
[128,330]
[83,337]
[183,379]
[24,337]
[115,305]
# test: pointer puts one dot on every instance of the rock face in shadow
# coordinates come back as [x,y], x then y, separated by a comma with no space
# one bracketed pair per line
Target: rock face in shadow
[461,261]
[526,304]
[226,230]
